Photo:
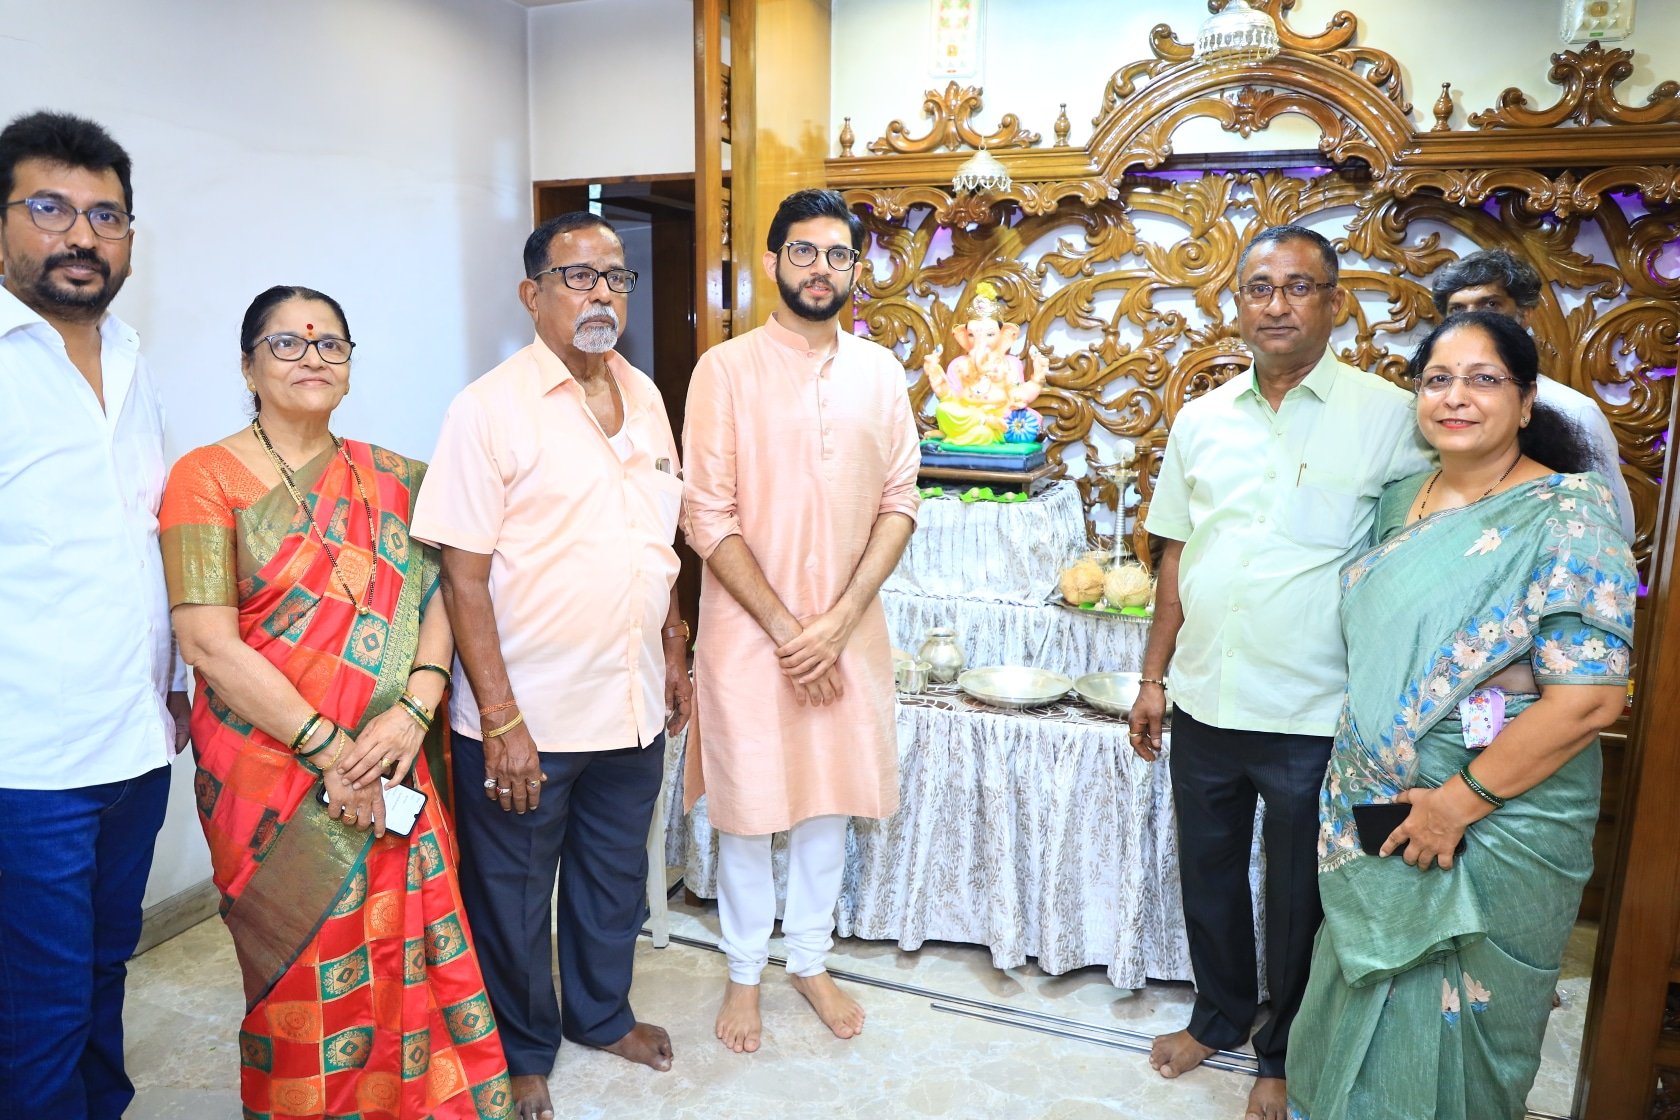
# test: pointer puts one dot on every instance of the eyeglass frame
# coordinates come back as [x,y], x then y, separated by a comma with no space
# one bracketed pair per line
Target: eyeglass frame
[564,271]
[76,213]
[1422,380]
[307,343]
[826,254]
[1244,291]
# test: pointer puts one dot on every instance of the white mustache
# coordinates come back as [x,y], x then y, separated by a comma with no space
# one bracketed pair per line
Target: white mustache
[596,316]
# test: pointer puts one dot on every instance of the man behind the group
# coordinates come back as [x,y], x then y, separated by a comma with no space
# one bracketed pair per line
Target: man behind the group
[802,457]
[1500,281]
[86,662]
[1269,483]
[554,495]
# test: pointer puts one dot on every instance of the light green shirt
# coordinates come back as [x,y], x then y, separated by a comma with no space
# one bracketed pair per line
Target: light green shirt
[1269,506]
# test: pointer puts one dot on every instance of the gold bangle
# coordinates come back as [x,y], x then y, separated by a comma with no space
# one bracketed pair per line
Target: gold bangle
[498,732]
[333,761]
[308,729]
[680,630]
[416,710]
[324,744]
[1153,680]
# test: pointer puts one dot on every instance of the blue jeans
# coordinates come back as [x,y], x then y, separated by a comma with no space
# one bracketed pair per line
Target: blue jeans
[73,867]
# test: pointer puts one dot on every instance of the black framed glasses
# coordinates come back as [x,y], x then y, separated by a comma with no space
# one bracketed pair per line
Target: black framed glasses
[803,254]
[291,347]
[582,278]
[54,215]
[1260,293]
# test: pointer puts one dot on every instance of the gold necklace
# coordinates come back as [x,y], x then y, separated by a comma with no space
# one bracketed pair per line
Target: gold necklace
[365,605]
[1423,506]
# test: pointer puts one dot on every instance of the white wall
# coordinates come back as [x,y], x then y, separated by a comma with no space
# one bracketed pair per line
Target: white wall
[1038,53]
[376,150]
[612,88]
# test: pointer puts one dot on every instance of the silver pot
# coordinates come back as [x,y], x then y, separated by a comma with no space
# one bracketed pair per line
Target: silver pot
[944,657]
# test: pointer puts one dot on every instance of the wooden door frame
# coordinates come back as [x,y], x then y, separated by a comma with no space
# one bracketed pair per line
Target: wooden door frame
[1623,1041]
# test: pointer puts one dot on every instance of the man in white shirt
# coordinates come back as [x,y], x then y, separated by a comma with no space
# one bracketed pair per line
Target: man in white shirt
[1268,486]
[86,657]
[1502,282]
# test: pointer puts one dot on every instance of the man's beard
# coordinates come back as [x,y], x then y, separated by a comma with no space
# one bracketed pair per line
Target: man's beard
[31,282]
[793,295]
[596,330]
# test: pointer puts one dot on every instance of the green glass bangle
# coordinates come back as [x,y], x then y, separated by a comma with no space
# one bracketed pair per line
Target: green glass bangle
[413,708]
[308,729]
[325,743]
[1479,789]
[429,667]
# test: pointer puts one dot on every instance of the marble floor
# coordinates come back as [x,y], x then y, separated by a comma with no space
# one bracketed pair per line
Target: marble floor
[917,1057]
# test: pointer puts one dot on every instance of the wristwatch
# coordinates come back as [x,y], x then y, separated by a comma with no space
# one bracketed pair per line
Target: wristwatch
[680,630]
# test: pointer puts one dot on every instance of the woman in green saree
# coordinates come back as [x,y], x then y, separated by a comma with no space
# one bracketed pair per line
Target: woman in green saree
[321,652]
[1488,632]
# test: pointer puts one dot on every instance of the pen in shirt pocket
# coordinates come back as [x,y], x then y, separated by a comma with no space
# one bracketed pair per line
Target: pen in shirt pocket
[1299,473]
[662,465]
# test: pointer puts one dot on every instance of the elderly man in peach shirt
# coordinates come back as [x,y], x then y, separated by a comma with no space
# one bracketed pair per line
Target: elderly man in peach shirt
[554,495]
[802,458]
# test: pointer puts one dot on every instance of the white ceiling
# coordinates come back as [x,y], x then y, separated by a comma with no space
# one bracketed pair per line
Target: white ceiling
[542,3]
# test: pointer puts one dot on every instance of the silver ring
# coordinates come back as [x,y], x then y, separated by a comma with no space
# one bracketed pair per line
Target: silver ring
[489,783]
[503,791]
[343,809]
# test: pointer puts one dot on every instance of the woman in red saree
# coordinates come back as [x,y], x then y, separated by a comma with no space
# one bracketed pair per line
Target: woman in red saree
[321,654]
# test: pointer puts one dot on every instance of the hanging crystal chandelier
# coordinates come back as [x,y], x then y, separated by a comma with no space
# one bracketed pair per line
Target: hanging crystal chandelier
[1237,34]
[981,172]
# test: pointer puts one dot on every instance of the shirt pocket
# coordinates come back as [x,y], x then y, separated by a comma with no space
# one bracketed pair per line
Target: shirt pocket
[666,492]
[1324,511]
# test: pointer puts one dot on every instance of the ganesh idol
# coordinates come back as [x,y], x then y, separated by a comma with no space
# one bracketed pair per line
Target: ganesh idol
[984,393]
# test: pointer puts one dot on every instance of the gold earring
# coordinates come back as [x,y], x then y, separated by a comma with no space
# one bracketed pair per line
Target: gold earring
[1525,421]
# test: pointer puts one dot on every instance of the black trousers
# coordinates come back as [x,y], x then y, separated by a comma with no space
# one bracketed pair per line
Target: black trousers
[592,822]
[1216,775]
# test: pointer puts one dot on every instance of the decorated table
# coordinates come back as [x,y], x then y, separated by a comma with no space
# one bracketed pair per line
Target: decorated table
[1037,833]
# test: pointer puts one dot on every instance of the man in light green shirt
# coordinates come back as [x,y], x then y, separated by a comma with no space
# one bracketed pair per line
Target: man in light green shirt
[1269,484]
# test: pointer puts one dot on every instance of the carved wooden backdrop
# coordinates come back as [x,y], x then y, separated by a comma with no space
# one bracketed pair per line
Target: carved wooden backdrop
[1124,273]
[1096,291]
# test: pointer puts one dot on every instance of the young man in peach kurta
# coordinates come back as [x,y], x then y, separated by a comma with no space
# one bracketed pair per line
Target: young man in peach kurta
[800,446]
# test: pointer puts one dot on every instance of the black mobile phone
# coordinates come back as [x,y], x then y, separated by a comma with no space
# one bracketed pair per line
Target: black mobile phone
[1374,821]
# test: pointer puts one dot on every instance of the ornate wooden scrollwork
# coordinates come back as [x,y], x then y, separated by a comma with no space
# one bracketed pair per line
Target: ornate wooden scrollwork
[1589,78]
[952,112]
[1125,277]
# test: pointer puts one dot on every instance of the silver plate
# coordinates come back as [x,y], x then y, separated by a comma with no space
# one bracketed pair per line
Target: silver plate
[1014,686]
[1114,693]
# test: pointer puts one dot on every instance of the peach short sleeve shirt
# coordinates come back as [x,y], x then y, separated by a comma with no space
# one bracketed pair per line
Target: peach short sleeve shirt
[580,544]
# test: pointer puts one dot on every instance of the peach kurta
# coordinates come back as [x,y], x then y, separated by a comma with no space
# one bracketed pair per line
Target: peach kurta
[797,454]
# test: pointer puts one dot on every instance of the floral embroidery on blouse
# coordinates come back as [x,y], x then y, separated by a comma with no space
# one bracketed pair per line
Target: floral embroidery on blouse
[1486,543]
[1571,616]
[1479,996]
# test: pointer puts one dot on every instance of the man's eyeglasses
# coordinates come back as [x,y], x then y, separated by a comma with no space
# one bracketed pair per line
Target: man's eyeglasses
[1437,384]
[55,216]
[1260,293]
[291,347]
[582,278]
[803,254]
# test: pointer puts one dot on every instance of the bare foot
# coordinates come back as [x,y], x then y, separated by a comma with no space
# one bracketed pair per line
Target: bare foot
[1177,1053]
[530,1095]
[839,1012]
[1268,1100]
[645,1043]
[738,1024]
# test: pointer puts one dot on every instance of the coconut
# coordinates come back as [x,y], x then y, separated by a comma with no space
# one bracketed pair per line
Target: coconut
[1127,585]
[1082,584]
